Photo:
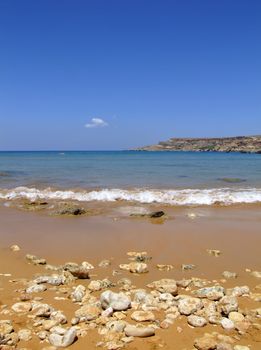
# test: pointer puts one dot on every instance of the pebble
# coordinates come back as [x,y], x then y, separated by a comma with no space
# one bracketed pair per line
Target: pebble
[135,267]
[227,304]
[165,285]
[214,252]
[189,305]
[228,274]
[241,347]
[133,331]
[36,288]
[118,301]
[15,248]
[22,307]
[6,327]
[227,324]
[78,293]
[141,316]
[35,260]
[196,321]
[88,312]
[24,334]
[63,340]
[212,293]
[236,316]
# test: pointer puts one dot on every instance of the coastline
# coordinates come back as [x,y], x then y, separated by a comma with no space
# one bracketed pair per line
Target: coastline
[176,240]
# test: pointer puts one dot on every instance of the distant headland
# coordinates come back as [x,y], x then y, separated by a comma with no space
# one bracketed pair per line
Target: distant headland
[242,144]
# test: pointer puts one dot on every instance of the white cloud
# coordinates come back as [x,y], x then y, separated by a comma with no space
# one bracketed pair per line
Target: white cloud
[96,123]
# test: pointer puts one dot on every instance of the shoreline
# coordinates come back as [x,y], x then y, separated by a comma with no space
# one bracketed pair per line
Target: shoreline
[176,240]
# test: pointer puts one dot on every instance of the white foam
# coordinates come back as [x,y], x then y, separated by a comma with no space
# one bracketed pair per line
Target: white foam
[174,197]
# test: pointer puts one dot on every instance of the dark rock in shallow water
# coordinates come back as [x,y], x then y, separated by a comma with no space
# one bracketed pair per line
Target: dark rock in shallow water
[68,209]
[157,214]
[232,179]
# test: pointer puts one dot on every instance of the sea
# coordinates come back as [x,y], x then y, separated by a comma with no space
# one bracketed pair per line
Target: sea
[174,178]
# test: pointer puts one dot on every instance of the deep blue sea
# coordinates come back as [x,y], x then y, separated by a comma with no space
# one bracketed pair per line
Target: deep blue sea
[169,177]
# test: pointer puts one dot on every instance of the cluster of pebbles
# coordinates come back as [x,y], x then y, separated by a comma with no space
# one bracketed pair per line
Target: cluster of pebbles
[119,312]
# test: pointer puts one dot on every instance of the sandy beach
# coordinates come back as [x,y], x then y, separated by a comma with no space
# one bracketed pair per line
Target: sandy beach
[183,236]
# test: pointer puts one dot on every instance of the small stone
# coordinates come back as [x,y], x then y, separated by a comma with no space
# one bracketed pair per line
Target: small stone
[108,312]
[133,331]
[6,327]
[104,263]
[88,312]
[236,316]
[157,214]
[205,343]
[75,321]
[135,267]
[36,288]
[165,286]
[186,267]
[78,293]
[189,305]
[241,347]
[224,346]
[118,301]
[78,271]
[141,316]
[214,252]
[256,274]
[15,248]
[228,274]
[63,340]
[227,324]
[35,260]
[24,334]
[22,307]
[212,293]
[162,267]
[227,304]
[196,321]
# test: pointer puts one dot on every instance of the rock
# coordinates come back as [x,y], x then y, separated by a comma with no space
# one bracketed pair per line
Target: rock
[228,274]
[227,324]
[189,305]
[59,317]
[141,316]
[118,301]
[241,347]
[65,340]
[48,324]
[15,248]
[256,274]
[238,291]
[36,288]
[78,293]
[205,343]
[78,271]
[163,267]
[133,331]
[157,214]
[165,286]
[116,326]
[135,267]
[108,312]
[24,334]
[70,210]
[104,263]
[188,267]
[212,293]
[35,260]
[236,316]
[88,312]
[6,327]
[22,307]
[42,310]
[54,280]
[227,304]
[214,252]
[196,321]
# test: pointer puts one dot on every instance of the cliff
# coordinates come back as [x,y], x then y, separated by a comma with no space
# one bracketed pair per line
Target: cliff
[243,144]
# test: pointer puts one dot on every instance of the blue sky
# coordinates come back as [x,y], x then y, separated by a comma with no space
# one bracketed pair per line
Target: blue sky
[133,71]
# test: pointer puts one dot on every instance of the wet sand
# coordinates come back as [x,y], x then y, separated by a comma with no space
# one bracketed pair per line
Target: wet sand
[236,232]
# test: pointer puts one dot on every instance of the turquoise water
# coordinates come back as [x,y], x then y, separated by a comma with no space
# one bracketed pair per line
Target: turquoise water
[129,170]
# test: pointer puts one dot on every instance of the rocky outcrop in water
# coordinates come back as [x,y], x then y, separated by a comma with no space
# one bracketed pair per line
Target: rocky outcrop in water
[242,144]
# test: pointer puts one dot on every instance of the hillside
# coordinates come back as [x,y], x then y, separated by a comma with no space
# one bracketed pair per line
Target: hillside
[243,144]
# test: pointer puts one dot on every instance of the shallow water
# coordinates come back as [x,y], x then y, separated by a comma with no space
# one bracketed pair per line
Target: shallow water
[138,176]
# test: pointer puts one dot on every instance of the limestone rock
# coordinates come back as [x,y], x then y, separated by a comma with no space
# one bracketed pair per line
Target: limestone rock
[165,286]
[133,331]
[88,312]
[141,316]
[65,340]
[196,321]
[118,301]
[189,305]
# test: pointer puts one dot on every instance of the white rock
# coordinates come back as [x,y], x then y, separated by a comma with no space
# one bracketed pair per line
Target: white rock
[22,307]
[63,340]
[189,305]
[227,324]
[118,301]
[196,321]
[132,331]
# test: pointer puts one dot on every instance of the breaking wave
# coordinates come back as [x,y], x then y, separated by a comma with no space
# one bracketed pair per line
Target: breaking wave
[179,197]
